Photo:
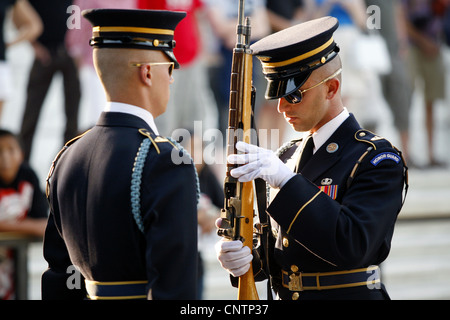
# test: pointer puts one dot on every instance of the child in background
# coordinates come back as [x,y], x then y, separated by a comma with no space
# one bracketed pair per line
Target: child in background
[23,207]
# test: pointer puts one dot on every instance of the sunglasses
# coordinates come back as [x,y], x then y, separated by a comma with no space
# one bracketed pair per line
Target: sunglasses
[171,65]
[297,96]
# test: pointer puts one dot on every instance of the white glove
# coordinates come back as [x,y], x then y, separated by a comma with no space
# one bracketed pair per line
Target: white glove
[259,163]
[234,256]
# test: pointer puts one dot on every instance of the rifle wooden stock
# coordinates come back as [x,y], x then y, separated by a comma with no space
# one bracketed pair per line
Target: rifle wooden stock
[246,288]
[237,215]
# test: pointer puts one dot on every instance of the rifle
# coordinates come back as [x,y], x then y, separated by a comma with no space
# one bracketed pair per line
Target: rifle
[237,214]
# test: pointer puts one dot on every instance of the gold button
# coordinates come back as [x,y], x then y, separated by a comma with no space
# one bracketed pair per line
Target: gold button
[295,296]
[294,268]
[285,242]
[155,42]
[362,134]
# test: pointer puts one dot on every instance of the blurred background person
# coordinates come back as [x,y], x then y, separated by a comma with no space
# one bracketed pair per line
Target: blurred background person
[191,88]
[51,57]
[396,85]
[29,27]
[447,24]
[282,15]
[210,202]
[425,27]
[23,207]
[93,98]
[361,91]
[222,15]
[285,14]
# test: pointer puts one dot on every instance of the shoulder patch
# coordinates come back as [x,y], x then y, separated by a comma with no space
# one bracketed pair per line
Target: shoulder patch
[385,156]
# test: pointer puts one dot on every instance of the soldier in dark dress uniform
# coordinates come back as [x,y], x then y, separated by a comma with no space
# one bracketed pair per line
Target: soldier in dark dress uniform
[122,212]
[335,195]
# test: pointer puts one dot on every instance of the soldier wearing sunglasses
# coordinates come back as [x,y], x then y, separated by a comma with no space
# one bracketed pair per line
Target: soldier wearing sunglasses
[334,194]
[122,212]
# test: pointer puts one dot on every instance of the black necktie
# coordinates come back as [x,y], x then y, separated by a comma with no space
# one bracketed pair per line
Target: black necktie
[307,153]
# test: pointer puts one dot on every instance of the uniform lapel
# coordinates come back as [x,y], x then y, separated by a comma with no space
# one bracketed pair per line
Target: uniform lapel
[325,157]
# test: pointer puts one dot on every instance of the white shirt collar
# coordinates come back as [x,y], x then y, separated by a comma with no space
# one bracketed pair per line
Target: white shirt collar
[134,110]
[325,132]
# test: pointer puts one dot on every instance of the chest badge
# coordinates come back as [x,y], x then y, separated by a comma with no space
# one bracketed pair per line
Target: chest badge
[326,181]
[332,147]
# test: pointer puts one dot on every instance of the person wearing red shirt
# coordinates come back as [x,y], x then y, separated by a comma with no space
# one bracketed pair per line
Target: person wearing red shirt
[195,94]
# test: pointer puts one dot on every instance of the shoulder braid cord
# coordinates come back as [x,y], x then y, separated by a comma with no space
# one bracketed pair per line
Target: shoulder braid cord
[136,177]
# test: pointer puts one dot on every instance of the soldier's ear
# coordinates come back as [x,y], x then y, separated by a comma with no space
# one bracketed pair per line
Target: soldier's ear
[333,86]
[145,74]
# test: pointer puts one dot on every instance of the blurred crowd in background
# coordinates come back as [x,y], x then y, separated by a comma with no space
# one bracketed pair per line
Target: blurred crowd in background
[389,49]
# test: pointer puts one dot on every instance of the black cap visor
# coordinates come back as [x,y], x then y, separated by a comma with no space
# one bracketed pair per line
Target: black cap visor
[279,88]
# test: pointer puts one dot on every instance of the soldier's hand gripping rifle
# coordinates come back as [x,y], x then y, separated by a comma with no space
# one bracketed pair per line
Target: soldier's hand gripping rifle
[237,214]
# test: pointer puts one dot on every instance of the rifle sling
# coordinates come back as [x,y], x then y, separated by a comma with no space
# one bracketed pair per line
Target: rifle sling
[261,198]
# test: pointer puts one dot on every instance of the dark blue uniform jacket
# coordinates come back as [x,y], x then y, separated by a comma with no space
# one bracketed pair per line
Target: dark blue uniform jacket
[91,224]
[339,214]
